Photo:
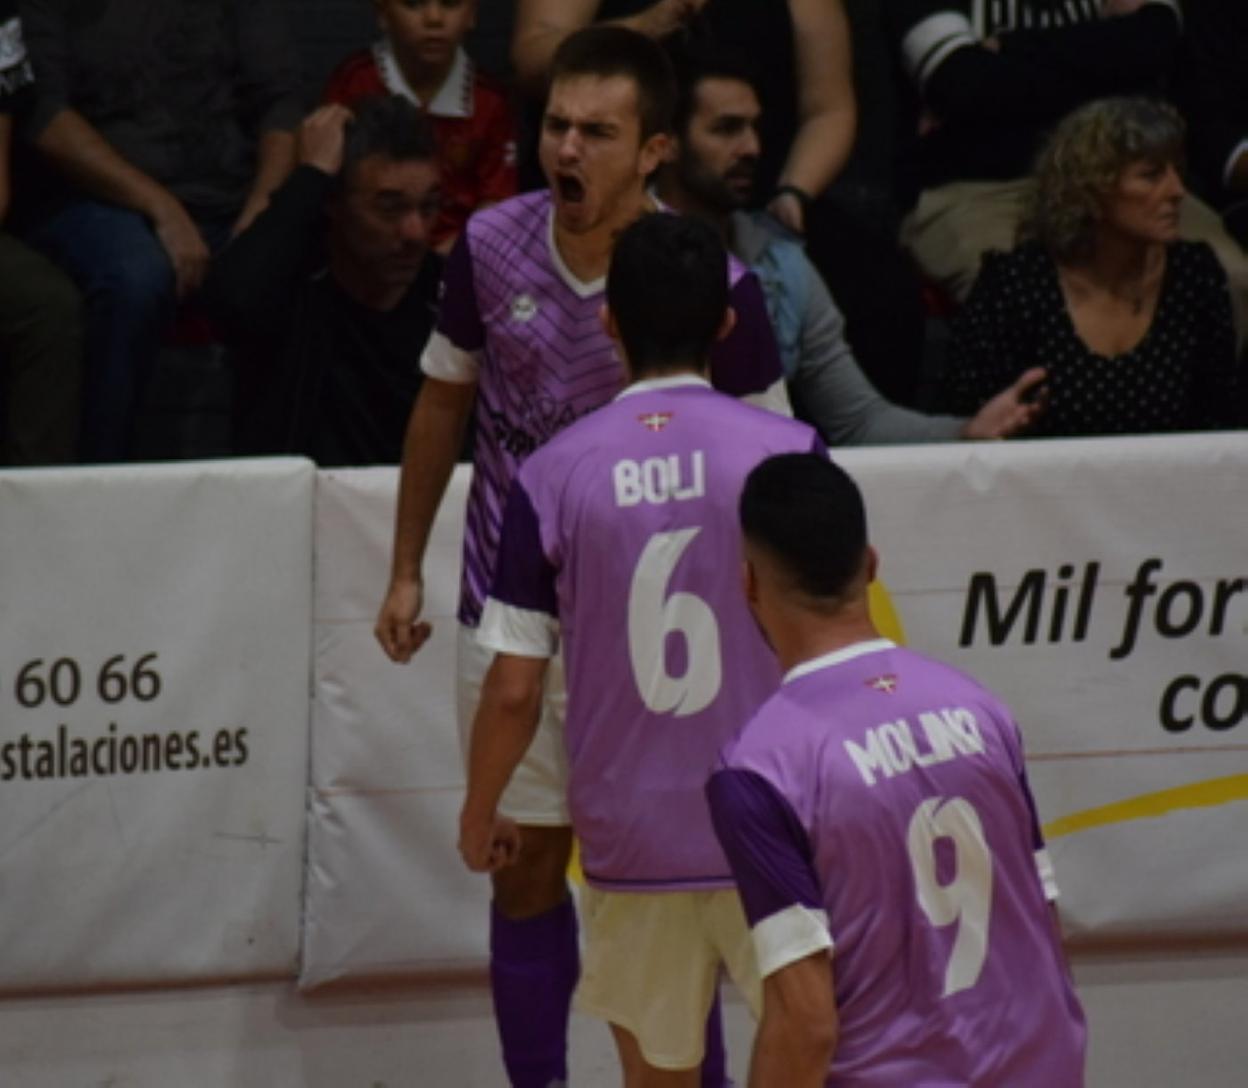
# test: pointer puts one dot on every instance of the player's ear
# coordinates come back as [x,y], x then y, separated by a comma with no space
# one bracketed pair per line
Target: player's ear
[873,564]
[654,151]
[726,326]
[749,580]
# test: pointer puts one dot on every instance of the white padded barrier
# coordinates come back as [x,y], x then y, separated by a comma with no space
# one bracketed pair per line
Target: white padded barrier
[1014,561]
[154,626]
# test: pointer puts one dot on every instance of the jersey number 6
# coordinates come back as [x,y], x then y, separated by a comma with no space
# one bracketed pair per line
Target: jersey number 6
[653,616]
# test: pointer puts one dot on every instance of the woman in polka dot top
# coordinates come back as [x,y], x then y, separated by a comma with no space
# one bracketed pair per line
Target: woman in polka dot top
[1132,325]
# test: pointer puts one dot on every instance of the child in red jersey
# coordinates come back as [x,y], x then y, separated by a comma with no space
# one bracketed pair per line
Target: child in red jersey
[420,56]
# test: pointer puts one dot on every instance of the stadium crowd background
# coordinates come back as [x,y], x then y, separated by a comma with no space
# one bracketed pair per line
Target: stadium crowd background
[920,170]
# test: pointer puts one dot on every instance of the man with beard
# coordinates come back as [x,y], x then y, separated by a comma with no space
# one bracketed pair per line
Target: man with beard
[712,175]
[520,332]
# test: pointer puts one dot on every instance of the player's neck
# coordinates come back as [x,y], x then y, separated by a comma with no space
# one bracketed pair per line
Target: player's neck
[670,370]
[807,636]
[587,254]
[677,197]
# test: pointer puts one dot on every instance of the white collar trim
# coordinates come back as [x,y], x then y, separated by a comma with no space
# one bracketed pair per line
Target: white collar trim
[838,657]
[454,97]
[581,288]
[668,381]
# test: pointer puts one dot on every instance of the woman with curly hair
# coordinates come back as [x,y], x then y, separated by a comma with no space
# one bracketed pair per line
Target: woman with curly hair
[1132,326]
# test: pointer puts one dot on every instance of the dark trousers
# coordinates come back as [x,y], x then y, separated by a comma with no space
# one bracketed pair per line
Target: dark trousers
[41,337]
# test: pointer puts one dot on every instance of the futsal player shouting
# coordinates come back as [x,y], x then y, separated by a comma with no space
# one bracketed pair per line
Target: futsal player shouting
[519,331]
[619,542]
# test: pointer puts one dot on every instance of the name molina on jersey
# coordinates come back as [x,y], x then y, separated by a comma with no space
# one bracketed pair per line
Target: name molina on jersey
[897,747]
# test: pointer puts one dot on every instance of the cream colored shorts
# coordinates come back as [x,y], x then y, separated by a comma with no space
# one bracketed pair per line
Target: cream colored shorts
[651,965]
[538,792]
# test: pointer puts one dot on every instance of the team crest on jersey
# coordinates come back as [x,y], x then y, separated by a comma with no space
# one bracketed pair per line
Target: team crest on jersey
[523,308]
[655,421]
[886,684]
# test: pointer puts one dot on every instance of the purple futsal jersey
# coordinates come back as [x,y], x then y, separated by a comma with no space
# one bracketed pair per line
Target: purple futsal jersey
[878,804]
[620,540]
[515,319]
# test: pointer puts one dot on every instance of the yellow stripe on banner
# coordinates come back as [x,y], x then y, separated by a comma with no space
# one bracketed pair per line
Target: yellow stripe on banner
[883,614]
[1210,794]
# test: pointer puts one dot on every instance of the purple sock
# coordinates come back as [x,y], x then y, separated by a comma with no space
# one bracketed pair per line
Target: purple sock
[534,965]
[715,1060]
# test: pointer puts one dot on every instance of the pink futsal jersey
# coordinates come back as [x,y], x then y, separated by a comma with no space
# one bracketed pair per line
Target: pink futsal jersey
[879,798]
[621,542]
[518,321]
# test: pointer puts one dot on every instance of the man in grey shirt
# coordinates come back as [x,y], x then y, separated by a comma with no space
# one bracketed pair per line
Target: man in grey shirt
[712,176]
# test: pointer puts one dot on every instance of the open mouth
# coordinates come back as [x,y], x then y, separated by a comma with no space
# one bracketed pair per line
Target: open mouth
[571,190]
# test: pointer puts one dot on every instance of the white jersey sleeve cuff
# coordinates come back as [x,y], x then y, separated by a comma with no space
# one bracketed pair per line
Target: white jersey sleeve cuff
[1044,866]
[775,398]
[445,362]
[789,935]
[506,629]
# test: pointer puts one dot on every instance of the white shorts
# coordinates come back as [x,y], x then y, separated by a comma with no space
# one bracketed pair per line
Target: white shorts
[651,966]
[538,792]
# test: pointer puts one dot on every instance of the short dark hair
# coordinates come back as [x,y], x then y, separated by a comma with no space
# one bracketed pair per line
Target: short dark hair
[386,125]
[807,513]
[606,51]
[697,58]
[668,290]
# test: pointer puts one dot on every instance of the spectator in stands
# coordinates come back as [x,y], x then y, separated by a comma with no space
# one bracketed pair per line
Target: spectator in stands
[40,310]
[420,56]
[169,122]
[991,80]
[1218,98]
[1132,325]
[717,150]
[329,296]
[804,44]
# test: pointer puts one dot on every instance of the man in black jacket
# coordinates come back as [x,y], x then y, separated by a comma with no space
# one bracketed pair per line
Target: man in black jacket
[328,297]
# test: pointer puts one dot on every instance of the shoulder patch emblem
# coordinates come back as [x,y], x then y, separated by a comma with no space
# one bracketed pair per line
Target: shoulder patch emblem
[655,421]
[886,684]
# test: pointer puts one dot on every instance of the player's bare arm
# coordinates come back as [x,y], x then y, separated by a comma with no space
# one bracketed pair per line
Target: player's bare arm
[506,720]
[798,1031]
[435,434]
